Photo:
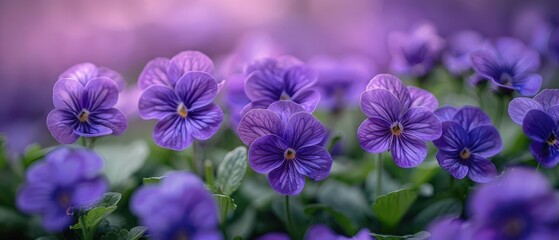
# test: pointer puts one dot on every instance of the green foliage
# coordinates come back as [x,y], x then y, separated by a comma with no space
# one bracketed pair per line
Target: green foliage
[100,211]
[123,160]
[390,208]
[231,171]
[340,218]
[152,180]
[418,236]
[225,204]
[134,234]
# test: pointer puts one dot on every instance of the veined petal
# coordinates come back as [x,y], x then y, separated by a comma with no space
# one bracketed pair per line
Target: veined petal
[445,113]
[88,129]
[548,98]
[374,135]
[470,117]
[258,123]
[67,95]
[171,133]
[545,154]
[408,151]
[259,104]
[285,109]
[485,141]
[553,112]
[267,153]
[157,102]
[481,170]
[538,126]
[189,61]
[196,89]
[421,123]
[259,85]
[61,125]
[113,75]
[393,85]
[111,118]
[380,103]
[454,138]
[451,163]
[303,129]
[314,162]
[81,72]
[155,73]
[422,98]
[34,197]
[286,180]
[99,93]
[308,99]
[484,62]
[204,122]
[528,85]
[298,78]
[518,108]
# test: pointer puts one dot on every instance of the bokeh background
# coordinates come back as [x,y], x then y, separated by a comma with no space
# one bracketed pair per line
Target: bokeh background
[40,39]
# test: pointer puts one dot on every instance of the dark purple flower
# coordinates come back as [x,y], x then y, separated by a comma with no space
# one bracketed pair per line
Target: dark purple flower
[84,72]
[467,141]
[85,111]
[274,236]
[167,72]
[457,57]
[180,207]
[322,232]
[542,129]
[400,120]
[553,43]
[509,66]
[450,228]
[270,80]
[545,100]
[519,205]
[185,112]
[416,52]
[284,143]
[66,179]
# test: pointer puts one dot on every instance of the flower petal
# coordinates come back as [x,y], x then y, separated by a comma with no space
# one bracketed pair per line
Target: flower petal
[266,153]
[454,137]
[157,102]
[260,85]
[485,141]
[81,72]
[481,170]
[314,162]
[67,95]
[374,135]
[99,93]
[111,118]
[189,61]
[56,221]
[155,73]
[303,129]
[88,192]
[308,99]
[408,151]
[258,123]
[285,109]
[259,104]
[528,85]
[204,122]
[380,103]
[32,198]
[393,85]
[421,123]
[422,98]
[553,112]
[470,117]
[196,89]
[445,113]
[171,133]
[545,154]
[451,163]
[548,98]
[518,108]
[484,62]
[298,78]
[60,124]
[87,129]
[538,126]
[286,180]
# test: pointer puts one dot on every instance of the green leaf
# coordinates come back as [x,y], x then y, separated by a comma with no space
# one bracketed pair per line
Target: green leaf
[94,217]
[152,180]
[390,208]
[110,199]
[3,152]
[424,172]
[341,219]
[345,198]
[123,160]
[337,137]
[231,171]
[32,153]
[136,232]
[10,219]
[225,203]
[418,236]
[440,208]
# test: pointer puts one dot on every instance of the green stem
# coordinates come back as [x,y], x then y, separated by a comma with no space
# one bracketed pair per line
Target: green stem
[288,217]
[209,173]
[379,175]
[193,159]
[500,109]
[84,142]
[85,233]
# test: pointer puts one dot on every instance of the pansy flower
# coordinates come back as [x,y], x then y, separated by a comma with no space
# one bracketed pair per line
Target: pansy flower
[66,180]
[543,129]
[180,207]
[284,143]
[184,112]
[322,232]
[83,72]
[85,111]
[545,100]
[400,119]
[509,66]
[468,139]
[460,45]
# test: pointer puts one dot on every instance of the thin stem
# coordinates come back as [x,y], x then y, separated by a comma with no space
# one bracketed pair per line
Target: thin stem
[193,159]
[500,110]
[288,216]
[84,142]
[209,173]
[85,234]
[379,175]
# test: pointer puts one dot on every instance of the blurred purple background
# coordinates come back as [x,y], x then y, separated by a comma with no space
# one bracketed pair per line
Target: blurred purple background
[40,39]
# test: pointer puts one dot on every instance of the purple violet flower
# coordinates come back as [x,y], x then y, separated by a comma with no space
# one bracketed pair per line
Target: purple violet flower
[83,72]
[400,119]
[284,143]
[236,98]
[468,139]
[542,128]
[415,53]
[509,66]
[460,45]
[180,207]
[65,180]
[519,205]
[450,228]
[545,100]
[274,236]
[184,112]
[322,232]
[85,111]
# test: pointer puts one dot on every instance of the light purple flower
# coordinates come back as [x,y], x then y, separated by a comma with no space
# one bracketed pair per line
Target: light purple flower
[236,98]
[322,232]
[180,207]
[416,52]
[543,129]
[457,57]
[84,72]
[545,100]
[284,143]
[509,66]
[468,139]
[400,119]
[85,111]
[450,228]
[65,180]
[184,112]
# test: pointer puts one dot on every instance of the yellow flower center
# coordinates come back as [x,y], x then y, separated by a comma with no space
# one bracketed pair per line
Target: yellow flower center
[552,140]
[397,128]
[182,110]
[83,116]
[289,154]
[465,153]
